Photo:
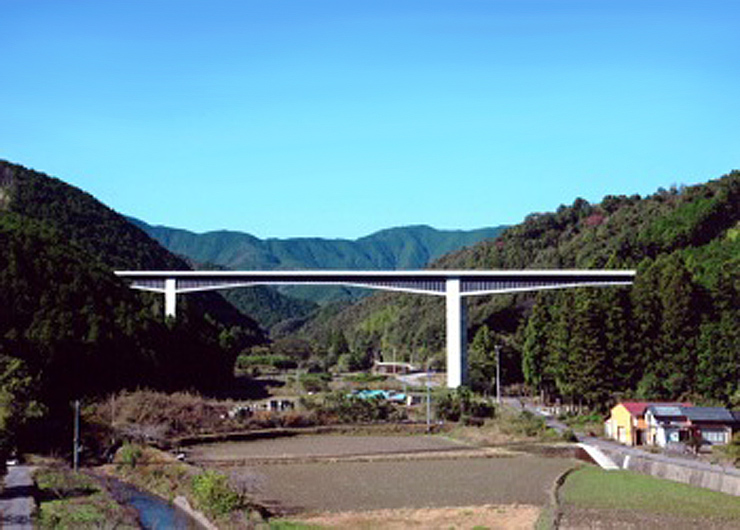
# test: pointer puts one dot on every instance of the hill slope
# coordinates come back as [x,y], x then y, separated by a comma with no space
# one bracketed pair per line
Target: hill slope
[78,329]
[411,247]
[673,334]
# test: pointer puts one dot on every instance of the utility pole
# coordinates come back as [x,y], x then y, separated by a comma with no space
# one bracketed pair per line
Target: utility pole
[76,439]
[498,374]
[429,401]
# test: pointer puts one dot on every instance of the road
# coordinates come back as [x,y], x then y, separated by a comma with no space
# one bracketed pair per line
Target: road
[16,500]
[613,446]
[418,379]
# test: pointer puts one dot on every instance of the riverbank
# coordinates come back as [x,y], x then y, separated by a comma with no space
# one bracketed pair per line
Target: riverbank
[207,497]
[68,499]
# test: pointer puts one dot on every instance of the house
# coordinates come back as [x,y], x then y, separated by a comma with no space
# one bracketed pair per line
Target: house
[666,424]
[671,424]
[714,423]
[626,423]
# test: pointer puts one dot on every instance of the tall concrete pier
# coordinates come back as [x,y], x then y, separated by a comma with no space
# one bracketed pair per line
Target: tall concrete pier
[454,285]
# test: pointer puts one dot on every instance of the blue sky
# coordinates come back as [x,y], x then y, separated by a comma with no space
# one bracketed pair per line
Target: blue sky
[339,118]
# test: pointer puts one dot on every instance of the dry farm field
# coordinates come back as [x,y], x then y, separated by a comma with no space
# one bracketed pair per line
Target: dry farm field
[392,477]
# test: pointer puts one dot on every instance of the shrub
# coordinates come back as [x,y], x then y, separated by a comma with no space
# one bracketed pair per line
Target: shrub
[129,455]
[278,362]
[459,404]
[732,450]
[338,407]
[527,424]
[569,436]
[315,382]
[213,493]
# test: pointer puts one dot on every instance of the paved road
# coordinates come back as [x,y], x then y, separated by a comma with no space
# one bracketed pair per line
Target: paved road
[16,501]
[419,379]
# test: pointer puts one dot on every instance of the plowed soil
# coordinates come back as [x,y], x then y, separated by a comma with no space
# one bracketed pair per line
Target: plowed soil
[352,486]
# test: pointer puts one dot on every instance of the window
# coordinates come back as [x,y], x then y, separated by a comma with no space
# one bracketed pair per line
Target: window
[714,437]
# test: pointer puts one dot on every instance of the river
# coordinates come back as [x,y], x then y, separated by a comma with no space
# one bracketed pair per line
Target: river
[155,513]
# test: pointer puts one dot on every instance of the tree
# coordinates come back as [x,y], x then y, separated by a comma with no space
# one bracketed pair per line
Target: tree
[535,354]
[588,368]
[17,403]
[679,325]
[482,361]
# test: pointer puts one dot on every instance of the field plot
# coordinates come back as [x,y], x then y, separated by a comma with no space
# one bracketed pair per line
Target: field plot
[348,486]
[594,498]
[322,446]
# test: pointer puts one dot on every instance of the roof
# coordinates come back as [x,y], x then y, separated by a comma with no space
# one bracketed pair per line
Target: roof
[637,408]
[719,414]
[665,410]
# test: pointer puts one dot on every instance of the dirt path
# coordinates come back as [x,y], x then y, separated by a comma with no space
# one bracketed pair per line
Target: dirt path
[515,517]
[16,501]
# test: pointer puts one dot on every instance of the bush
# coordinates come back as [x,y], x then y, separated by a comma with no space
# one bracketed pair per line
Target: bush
[129,455]
[460,404]
[569,436]
[527,424]
[315,382]
[365,378]
[278,362]
[214,495]
[732,450]
[338,407]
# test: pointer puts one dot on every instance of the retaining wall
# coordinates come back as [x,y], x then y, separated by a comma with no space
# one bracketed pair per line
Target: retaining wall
[725,480]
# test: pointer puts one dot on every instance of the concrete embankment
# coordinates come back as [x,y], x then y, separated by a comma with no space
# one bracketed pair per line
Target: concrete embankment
[716,478]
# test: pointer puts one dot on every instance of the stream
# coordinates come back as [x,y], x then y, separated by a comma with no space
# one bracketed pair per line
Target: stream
[154,512]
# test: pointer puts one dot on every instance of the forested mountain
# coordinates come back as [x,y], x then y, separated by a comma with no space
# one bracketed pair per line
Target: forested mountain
[410,247]
[71,326]
[674,334]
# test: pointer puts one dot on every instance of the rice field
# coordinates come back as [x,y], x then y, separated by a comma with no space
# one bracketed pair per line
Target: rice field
[451,475]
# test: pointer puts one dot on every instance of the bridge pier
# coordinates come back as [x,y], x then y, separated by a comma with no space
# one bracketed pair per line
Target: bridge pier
[170,297]
[456,330]
[455,286]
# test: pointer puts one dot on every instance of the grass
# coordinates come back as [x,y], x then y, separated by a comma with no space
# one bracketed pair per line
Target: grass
[73,500]
[591,487]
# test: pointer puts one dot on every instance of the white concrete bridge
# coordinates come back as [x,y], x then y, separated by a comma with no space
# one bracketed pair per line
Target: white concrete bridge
[454,285]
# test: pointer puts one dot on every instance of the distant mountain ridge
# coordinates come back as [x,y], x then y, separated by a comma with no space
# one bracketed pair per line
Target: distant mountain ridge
[409,247]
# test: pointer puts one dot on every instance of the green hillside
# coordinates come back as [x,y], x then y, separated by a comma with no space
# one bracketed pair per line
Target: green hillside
[411,247]
[674,334]
[70,328]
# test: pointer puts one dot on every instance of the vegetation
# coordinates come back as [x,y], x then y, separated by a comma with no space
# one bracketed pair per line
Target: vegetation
[732,450]
[225,499]
[410,247]
[70,500]
[672,335]
[625,491]
[462,405]
[213,494]
[338,407]
[69,328]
